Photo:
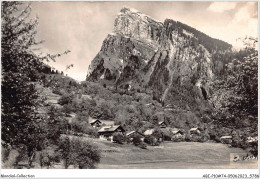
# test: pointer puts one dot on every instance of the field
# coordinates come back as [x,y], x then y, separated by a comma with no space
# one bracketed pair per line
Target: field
[181,155]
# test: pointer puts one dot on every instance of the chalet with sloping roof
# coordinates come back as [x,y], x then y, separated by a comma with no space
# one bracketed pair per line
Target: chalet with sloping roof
[252,139]
[176,131]
[107,123]
[107,132]
[94,122]
[177,134]
[131,134]
[162,124]
[226,139]
[195,131]
[148,132]
[169,107]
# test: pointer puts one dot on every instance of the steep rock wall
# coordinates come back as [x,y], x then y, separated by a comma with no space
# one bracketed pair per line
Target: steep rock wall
[168,58]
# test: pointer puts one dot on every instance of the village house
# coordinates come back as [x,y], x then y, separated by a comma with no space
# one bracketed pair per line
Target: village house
[107,132]
[131,134]
[168,107]
[252,139]
[94,122]
[162,124]
[155,140]
[148,132]
[226,139]
[177,133]
[149,104]
[107,123]
[195,131]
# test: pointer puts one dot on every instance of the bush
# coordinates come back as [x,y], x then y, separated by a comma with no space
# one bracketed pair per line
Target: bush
[151,140]
[236,140]
[244,144]
[81,154]
[212,136]
[226,141]
[205,138]
[167,134]
[65,99]
[142,145]
[148,139]
[118,138]
[57,91]
[196,138]
[87,154]
[200,139]
[177,139]
[129,140]
[49,155]
[187,138]
[253,149]
[136,140]
[158,133]
[67,109]
[92,132]
[83,127]
[217,139]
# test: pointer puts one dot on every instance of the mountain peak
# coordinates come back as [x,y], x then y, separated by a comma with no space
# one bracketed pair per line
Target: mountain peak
[128,9]
[132,23]
[132,11]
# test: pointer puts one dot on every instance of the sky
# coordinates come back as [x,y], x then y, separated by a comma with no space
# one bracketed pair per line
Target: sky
[81,27]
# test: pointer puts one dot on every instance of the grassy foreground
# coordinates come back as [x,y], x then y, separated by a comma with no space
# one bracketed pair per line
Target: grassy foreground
[179,155]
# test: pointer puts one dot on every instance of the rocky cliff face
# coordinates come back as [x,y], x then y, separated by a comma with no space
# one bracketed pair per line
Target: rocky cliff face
[170,59]
[135,36]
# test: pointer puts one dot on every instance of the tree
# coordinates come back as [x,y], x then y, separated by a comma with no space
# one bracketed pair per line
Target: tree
[65,150]
[151,140]
[87,154]
[81,154]
[236,94]
[137,140]
[19,67]
[55,125]
[65,99]
[118,138]
[67,109]
[21,125]
[158,134]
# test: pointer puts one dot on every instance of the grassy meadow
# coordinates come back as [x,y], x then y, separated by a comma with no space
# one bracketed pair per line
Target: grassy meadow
[172,155]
